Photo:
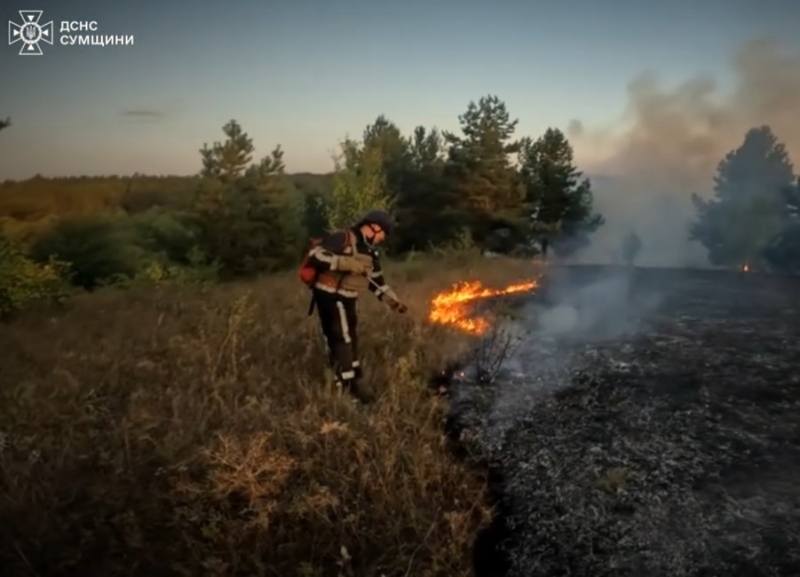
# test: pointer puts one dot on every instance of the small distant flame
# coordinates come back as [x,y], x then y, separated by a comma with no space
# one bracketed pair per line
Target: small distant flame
[451,307]
[745,267]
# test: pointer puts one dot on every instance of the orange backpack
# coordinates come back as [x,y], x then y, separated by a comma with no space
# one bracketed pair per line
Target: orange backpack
[307,273]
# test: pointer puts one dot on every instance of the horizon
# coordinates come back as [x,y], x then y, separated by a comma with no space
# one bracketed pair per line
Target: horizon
[149,107]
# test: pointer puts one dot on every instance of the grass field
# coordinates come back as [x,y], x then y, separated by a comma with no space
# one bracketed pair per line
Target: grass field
[191,431]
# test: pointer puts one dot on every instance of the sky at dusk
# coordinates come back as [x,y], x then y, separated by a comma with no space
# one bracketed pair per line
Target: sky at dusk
[307,73]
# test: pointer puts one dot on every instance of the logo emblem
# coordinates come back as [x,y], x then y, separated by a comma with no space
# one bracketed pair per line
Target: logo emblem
[30,33]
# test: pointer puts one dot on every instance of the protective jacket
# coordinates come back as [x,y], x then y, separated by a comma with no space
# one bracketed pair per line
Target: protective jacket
[327,258]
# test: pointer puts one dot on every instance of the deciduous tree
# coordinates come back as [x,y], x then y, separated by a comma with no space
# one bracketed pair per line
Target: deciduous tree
[422,205]
[359,184]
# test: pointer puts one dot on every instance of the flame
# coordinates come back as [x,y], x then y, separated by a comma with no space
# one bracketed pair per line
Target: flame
[451,307]
[745,267]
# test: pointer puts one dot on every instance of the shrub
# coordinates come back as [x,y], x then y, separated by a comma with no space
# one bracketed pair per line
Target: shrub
[166,233]
[97,249]
[158,274]
[23,281]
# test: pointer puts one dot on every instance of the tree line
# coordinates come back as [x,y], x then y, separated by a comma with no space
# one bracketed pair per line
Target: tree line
[241,216]
[482,187]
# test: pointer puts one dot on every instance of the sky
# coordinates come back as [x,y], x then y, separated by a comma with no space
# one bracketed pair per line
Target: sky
[307,73]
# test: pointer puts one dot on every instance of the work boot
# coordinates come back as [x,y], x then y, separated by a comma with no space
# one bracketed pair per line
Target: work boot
[358,392]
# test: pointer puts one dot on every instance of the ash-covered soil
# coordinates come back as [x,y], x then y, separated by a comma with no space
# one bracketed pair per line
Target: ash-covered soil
[648,426]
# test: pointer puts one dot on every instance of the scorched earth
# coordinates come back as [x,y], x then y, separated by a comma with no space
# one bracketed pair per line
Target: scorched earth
[648,426]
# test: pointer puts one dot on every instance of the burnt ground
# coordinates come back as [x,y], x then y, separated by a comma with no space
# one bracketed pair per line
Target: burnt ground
[646,426]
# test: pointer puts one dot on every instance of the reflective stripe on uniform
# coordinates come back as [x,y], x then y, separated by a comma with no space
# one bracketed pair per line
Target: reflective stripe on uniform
[325,256]
[332,290]
[345,325]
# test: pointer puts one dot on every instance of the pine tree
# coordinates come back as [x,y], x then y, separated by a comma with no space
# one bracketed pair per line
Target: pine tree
[749,206]
[559,200]
[227,161]
[248,220]
[484,187]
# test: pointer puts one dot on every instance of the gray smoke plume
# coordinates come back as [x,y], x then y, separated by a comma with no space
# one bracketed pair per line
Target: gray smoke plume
[673,145]
[577,310]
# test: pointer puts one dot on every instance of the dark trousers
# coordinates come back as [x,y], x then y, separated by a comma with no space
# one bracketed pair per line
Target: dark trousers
[338,316]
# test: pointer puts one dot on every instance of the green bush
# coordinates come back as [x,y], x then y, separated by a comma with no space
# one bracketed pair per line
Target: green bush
[97,248]
[167,233]
[23,280]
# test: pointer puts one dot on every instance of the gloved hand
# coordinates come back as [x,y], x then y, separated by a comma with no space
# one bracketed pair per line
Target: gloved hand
[354,265]
[396,305]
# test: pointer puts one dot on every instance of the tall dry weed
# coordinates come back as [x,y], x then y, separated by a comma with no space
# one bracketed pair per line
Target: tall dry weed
[192,432]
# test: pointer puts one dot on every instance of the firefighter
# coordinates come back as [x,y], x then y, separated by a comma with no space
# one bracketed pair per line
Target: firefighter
[346,263]
[545,243]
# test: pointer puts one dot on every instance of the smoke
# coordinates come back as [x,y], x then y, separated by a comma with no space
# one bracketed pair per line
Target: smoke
[672,146]
[595,305]
[576,311]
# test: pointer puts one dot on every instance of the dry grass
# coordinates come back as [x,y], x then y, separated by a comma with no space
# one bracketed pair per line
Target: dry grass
[191,432]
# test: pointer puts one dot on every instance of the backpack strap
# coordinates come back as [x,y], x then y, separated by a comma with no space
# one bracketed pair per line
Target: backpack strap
[351,241]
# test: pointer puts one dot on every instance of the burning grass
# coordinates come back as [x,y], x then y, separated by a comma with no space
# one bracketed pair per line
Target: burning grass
[190,432]
[452,307]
